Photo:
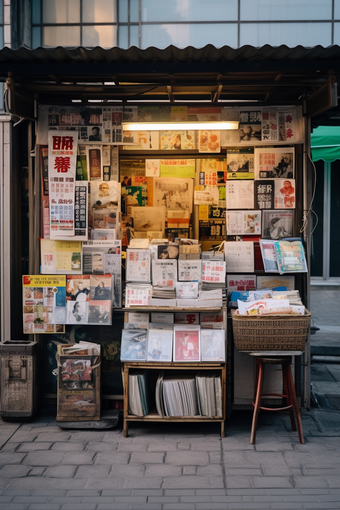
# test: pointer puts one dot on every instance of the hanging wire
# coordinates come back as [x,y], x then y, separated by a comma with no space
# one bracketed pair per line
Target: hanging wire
[310,210]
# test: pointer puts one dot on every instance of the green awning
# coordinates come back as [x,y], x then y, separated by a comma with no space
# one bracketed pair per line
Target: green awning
[325,143]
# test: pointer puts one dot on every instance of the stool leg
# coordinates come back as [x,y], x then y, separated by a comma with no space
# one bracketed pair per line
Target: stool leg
[295,404]
[259,386]
[286,391]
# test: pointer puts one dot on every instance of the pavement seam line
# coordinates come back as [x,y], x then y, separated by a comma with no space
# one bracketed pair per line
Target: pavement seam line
[16,430]
[222,466]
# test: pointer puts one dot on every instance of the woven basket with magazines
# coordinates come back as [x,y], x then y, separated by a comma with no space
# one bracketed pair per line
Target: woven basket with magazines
[270,332]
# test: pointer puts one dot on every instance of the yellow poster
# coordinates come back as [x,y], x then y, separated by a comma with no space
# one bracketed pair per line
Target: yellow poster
[177,168]
[203,212]
[61,257]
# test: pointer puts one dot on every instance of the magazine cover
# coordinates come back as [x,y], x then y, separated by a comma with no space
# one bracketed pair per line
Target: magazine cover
[268,256]
[264,194]
[243,222]
[164,273]
[213,344]
[159,345]
[277,224]
[99,312]
[133,346]
[77,312]
[177,140]
[138,265]
[284,194]
[290,256]
[78,288]
[101,287]
[187,344]
[240,163]
[274,163]
[250,126]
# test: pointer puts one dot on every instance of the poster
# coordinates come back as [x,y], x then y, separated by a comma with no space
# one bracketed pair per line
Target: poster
[60,257]
[274,163]
[177,168]
[62,162]
[43,297]
[240,194]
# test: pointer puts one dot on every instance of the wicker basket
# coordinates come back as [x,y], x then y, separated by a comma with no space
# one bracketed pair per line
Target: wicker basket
[270,332]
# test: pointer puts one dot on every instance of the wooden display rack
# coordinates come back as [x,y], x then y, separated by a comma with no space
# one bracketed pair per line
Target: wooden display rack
[187,367]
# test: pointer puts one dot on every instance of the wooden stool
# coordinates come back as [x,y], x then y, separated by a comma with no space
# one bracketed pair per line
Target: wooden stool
[288,393]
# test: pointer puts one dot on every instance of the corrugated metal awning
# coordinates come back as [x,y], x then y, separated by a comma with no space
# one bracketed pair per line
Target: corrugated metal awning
[272,75]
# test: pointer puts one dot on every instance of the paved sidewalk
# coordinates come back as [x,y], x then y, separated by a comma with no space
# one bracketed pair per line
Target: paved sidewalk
[173,467]
[182,466]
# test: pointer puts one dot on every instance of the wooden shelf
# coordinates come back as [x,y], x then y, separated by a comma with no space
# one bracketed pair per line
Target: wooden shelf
[188,367]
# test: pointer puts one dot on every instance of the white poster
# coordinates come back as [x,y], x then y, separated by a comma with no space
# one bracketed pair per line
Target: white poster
[62,162]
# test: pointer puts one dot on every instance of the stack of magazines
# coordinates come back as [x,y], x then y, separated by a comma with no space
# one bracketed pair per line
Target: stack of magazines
[138,401]
[81,349]
[188,395]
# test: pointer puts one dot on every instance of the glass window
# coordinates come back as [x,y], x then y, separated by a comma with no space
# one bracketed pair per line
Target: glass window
[36,11]
[123,11]
[336,9]
[123,37]
[288,10]
[134,11]
[2,11]
[185,35]
[291,34]
[336,33]
[36,37]
[134,36]
[61,36]
[61,11]
[99,35]
[98,11]
[189,10]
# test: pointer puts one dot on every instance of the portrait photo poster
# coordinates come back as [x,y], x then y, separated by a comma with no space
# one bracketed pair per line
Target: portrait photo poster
[186,344]
[277,224]
[212,344]
[274,163]
[159,345]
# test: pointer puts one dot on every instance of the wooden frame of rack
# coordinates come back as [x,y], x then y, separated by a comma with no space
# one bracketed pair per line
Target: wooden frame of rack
[189,367]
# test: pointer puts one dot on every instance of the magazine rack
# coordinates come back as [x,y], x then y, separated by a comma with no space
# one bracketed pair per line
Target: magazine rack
[184,368]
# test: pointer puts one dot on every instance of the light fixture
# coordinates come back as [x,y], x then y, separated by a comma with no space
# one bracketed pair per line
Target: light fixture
[178,126]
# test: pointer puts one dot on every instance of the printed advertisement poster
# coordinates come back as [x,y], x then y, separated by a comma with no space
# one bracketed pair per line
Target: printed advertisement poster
[62,162]
[43,296]
[60,257]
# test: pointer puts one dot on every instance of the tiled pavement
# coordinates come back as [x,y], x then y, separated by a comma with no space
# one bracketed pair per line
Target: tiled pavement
[178,466]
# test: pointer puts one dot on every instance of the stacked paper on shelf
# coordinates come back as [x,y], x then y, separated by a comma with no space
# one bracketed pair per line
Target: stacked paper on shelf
[137,294]
[159,292]
[213,274]
[209,392]
[162,302]
[138,398]
[179,396]
[81,349]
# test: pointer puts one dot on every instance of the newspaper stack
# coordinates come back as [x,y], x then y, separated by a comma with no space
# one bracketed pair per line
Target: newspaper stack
[213,274]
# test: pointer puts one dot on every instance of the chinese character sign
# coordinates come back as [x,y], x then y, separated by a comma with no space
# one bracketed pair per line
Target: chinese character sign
[62,160]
